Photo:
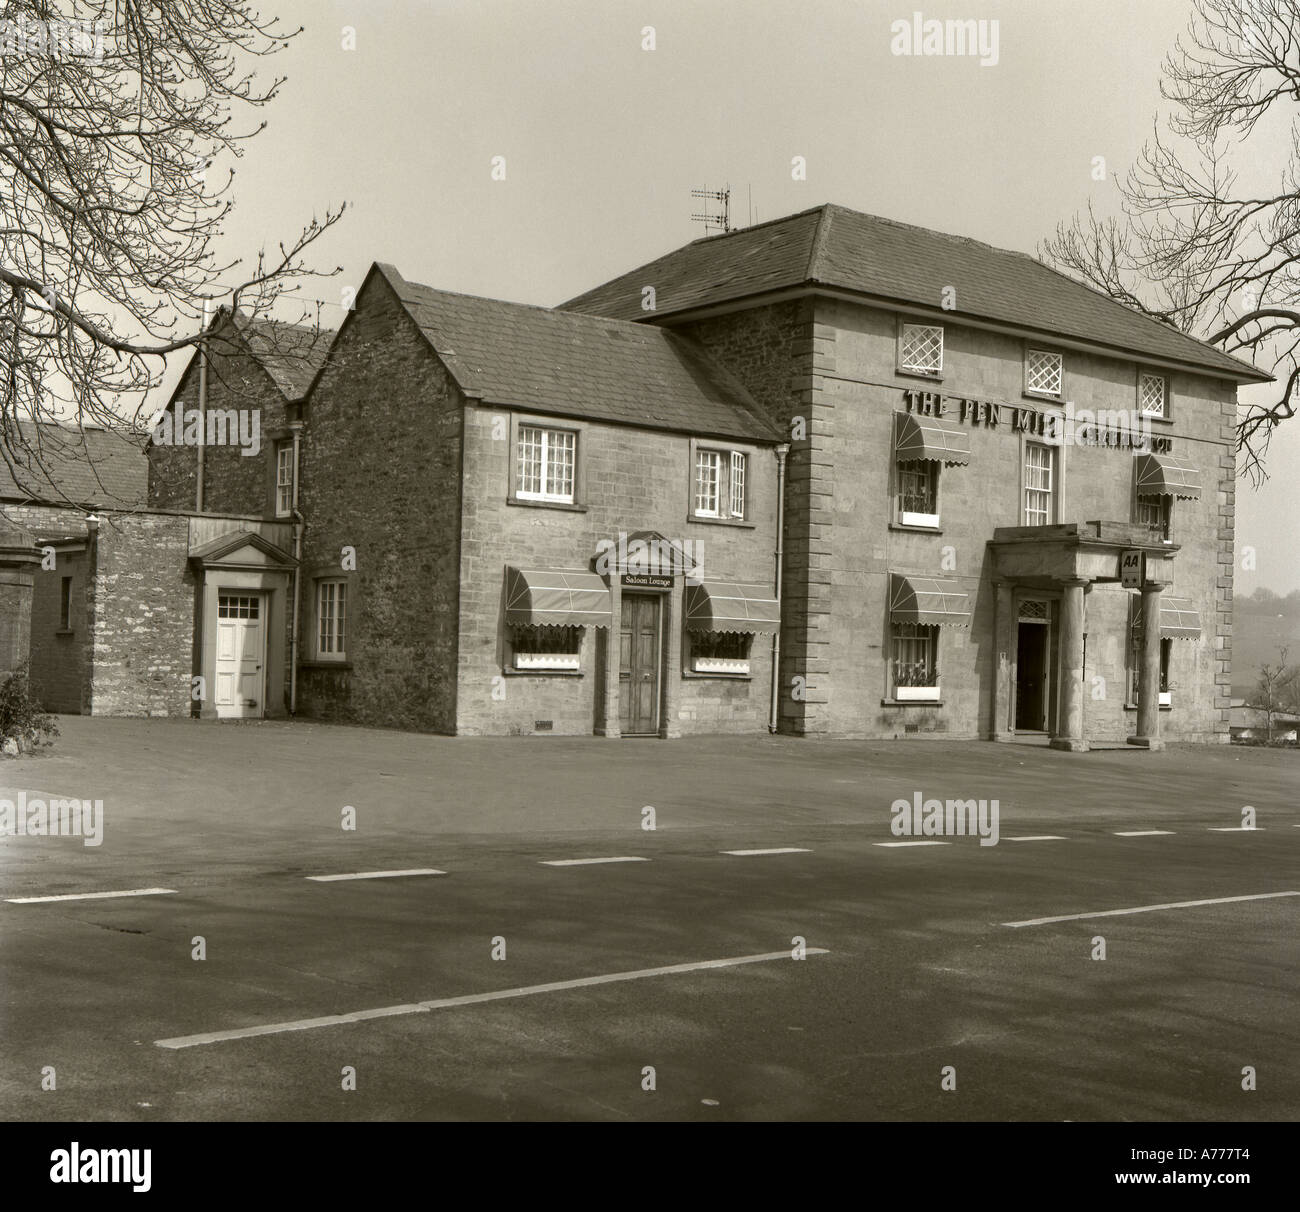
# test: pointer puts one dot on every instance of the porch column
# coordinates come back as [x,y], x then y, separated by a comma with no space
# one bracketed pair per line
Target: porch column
[1004,643]
[1148,712]
[1069,713]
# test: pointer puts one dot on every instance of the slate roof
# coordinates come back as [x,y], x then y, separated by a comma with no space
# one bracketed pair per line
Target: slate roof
[575,365]
[290,353]
[105,468]
[844,249]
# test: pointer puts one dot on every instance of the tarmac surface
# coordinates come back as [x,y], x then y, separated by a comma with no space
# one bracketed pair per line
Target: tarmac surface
[917,960]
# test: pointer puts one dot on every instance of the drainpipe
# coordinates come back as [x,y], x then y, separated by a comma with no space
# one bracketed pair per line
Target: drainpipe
[296,427]
[781,452]
[203,410]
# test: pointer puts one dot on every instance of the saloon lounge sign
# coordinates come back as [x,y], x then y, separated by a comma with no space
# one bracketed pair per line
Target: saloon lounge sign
[1120,428]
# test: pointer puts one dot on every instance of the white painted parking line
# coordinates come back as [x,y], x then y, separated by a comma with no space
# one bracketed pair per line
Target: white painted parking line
[1040,837]
[774,850]
[1221,900]
[1235,829]
[375,875]
[473,999]
[89,896]
[1146,833]
[911,843]
[626,858]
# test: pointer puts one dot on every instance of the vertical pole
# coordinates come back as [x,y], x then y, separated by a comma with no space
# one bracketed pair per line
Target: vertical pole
[1148,713]
[1069,715]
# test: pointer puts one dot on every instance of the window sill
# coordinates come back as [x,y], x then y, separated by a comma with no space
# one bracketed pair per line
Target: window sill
[930,376]
[568,506]
[1134,707]
[911,702]
[908,527]
[318,664]
[66,631]
[692,675]
[1042,395]
[1151,416]
[739,523]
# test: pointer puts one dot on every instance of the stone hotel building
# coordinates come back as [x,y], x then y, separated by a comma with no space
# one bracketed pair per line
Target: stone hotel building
[830,475]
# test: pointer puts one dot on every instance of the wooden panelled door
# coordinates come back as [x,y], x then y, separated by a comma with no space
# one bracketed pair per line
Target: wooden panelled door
[241,654]
[638,665]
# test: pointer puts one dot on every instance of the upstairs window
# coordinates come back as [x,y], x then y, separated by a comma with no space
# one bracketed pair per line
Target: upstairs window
[918,493]
[1043,373]
[1153,395]
[1156,513]
[920,349]
[65,604]
[720,483]
[546,462]
[283,479]
[1040,478]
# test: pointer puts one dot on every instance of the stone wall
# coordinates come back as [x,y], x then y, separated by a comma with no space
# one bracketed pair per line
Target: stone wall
[380,473]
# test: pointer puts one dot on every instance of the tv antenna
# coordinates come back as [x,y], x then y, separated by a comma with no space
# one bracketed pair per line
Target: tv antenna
[719,220]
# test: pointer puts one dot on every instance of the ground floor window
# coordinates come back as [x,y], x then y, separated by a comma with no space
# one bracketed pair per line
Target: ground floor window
[720,651]
[331,620]
[914,667]
[539,647]
[1135,666]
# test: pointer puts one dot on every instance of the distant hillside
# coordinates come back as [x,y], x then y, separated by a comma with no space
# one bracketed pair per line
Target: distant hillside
[1261,624]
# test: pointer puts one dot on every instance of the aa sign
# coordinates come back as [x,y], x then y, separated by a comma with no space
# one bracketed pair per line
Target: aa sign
[1131,568]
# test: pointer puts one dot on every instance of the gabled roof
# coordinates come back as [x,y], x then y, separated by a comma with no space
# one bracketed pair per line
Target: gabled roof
[291,354]
[61,464]
[834,247]
[575,365]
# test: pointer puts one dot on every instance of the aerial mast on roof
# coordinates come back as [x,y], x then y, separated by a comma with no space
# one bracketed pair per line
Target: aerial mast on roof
[719,220]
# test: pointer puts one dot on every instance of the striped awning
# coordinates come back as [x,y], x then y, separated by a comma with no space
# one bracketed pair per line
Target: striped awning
[1179,619]
[556,598]
[929,439]
[1166,476]
[731,606]
[928,600]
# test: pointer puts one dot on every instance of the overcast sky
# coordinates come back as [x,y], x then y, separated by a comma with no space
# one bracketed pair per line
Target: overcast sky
[603,140]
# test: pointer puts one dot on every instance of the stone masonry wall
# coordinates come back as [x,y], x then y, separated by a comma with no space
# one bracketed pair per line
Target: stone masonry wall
[380,473]
[232,481]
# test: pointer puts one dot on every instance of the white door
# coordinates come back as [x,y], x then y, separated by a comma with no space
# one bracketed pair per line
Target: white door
[241,653]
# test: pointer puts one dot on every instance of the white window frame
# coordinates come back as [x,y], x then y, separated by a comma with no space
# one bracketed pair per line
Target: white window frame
[546,662]
[904,467]
[1163,507]
[732,665]
[1163,414]
[283,483]
[911,637]
[932,372]
[338,619]
[548,444]
[1053,475]
[730,489]
[1044,393]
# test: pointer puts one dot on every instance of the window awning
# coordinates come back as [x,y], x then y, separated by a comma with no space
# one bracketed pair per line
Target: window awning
[556,598]
[1179,619]
[730,606]
[929,439]
[1167,476]
[929,600]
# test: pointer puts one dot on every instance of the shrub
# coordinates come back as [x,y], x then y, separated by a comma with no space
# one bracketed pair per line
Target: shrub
[21,717]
